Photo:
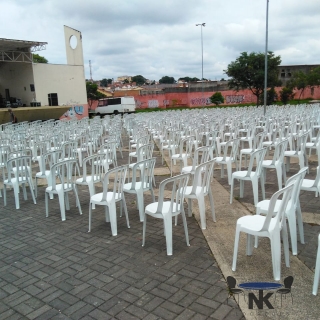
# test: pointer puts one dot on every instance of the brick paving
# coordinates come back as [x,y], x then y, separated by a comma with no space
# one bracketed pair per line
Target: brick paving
[51,269]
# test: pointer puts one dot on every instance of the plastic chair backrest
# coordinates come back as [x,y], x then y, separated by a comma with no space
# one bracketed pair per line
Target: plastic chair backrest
[202,176]
[286,192]
[280,148]
[297,180]
[50,158]
[257,156]
[201,155]
[145,168]
[118,175]
[234,143]
[94,162]
[145,152]
[63,171]
[176,183]
[21,166]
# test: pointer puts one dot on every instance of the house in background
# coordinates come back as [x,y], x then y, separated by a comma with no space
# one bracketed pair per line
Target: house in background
[42,84]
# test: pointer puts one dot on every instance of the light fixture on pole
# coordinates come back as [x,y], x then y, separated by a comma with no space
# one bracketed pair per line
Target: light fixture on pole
[266,63]
[201,25]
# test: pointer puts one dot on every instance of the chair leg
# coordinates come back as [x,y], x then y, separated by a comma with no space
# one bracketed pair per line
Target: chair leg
[212,206]
[316,274]
[168,233]
[123,201]
[62,205]
[185,226]
[77,199]
[113,218]
[235,249]
[300,222]
[291,216]
[144,229]
[231,190]
[202,211]
[140,202]
[90,213]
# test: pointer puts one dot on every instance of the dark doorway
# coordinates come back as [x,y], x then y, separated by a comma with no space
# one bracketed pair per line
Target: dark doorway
[7,94]
[53,99]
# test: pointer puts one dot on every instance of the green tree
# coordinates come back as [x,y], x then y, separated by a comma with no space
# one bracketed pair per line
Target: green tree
[217,98]
[167,79]
[247,72]
[188,79]
[302,80]
[272,96]
[93,93]
[104,82]
[286,94]
[38,59]
[139,79]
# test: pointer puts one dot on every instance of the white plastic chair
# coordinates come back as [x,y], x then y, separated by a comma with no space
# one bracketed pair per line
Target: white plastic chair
[267,226]
[312,185]
[293,210]
[112,193]
[317,271]
[62,171]
[141,184]
[201,188]
[229,157]
[277,162]
[257,144]
[201,155]
[250,175]
[299,152]
[18,173]
[185,150]
[4,152]
[167,209]
[46,161]
[92,172]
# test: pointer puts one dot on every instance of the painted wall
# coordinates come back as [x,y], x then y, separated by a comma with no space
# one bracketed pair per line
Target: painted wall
[76,112]
[65,80]
[17,77]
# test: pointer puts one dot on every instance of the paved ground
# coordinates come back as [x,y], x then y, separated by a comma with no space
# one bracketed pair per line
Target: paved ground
[51,269]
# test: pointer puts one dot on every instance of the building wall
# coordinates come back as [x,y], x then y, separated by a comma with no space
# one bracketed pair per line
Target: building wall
[67,81]
[17,77]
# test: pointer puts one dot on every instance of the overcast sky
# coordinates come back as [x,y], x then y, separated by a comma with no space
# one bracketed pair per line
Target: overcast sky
[157,38]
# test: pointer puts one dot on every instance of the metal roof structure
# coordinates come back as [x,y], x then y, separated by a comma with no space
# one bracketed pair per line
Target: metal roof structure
[19,50]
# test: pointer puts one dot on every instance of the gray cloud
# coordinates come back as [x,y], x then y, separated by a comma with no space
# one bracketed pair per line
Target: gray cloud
[158,38]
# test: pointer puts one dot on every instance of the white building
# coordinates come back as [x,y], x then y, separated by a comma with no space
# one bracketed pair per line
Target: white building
[42,83]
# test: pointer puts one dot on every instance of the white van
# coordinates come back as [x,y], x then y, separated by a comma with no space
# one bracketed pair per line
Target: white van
[116,106]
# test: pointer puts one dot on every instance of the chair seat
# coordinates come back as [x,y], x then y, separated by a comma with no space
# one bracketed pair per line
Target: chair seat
[138,185]
[59,188]
[247,151]
[254,223]
[88,180]
[97,198]
[189,194]
[307,184]
[151,209]
[243,175]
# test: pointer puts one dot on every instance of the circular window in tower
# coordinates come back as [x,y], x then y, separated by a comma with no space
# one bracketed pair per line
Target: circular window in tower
[73,42]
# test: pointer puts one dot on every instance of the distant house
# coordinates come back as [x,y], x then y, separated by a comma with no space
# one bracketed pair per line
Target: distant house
[286,72]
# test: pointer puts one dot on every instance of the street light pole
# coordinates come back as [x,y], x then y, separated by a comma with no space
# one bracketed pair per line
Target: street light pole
[266,63]
[201,25]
